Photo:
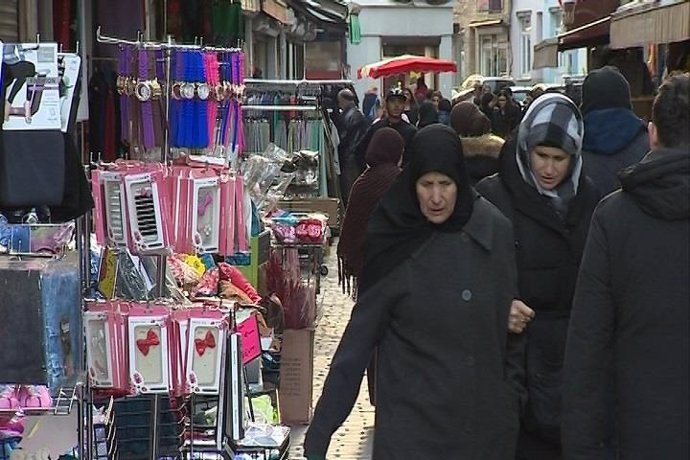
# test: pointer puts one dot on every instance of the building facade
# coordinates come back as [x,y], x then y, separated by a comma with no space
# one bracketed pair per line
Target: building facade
[482,37]
[390,28]
[532,22]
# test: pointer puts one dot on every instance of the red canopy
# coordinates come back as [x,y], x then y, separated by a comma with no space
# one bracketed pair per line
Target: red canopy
[404,64]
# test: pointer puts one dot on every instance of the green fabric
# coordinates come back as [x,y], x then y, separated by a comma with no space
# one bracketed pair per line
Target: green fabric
[355,30]
[228,23]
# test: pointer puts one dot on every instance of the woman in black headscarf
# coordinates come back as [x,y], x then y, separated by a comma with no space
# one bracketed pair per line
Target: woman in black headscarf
[434,297]
[428,114]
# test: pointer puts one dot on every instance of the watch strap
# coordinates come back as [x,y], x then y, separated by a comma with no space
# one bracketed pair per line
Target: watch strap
[145,105]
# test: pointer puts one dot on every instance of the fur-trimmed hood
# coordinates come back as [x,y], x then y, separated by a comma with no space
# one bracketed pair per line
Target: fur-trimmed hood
[487,145]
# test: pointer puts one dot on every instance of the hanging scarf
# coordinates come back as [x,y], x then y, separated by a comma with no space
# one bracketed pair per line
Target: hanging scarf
[552,120]
[397,228]
[383,155]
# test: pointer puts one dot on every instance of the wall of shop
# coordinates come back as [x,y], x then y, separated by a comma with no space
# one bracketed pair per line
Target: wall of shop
[382,19]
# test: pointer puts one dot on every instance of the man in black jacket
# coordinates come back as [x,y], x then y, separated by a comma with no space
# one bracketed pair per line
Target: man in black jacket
[395,105]
[628,344]
[351,128]
[614,136]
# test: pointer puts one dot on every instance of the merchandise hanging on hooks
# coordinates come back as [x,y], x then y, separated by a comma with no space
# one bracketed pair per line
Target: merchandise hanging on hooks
[190,110]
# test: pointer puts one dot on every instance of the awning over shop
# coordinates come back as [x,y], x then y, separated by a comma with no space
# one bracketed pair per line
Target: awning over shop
[490,22]
[277,9]
[592,34]
[546,53]
[325,13]
[647,24]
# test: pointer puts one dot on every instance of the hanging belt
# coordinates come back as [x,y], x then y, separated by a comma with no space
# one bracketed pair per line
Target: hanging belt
[144,93]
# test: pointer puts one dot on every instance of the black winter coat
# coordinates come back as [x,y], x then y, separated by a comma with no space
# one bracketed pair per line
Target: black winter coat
[449,380]
[548,252]
[630,319]
[352,125]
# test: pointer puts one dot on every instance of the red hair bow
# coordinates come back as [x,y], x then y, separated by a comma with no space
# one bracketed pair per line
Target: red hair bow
[207,342]
[151,340]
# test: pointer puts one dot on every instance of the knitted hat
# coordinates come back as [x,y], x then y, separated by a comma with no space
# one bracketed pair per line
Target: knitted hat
[605,88]
[468,121]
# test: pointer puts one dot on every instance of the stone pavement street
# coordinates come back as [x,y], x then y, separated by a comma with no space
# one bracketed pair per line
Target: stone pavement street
[353,441]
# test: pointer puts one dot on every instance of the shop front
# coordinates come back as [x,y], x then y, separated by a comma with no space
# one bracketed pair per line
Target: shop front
[389,29]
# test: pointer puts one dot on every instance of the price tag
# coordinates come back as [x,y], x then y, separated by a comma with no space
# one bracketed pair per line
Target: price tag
[251,340]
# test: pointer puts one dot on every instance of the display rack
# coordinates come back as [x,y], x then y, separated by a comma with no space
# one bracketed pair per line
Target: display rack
[185,406]
[305,102]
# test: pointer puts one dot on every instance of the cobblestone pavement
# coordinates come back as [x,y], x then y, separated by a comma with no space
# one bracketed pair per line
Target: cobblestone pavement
[353,441]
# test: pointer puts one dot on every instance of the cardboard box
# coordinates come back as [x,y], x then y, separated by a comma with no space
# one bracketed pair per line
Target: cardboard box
[296,376]
[328,206]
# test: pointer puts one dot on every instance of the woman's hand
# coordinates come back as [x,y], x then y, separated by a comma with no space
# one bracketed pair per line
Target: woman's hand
[520,316]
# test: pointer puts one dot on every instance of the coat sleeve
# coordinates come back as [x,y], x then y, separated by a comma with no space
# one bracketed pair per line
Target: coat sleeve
[515,343]
[587,425]
[360,149]
[370,318]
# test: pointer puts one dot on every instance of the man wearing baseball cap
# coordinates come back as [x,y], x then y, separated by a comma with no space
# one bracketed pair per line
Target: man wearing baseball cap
[392,118]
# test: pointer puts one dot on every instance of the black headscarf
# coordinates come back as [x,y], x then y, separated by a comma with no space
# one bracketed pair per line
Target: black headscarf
[428,115]
[398,227]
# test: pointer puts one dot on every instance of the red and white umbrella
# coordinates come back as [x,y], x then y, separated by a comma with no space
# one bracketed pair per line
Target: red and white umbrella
[406,63]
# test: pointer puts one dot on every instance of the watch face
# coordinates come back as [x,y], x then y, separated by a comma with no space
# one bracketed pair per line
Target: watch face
[187,91]
[143,92]
[203,91]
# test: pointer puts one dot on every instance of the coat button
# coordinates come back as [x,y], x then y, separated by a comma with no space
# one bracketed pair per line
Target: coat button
[470,361]
[466,295]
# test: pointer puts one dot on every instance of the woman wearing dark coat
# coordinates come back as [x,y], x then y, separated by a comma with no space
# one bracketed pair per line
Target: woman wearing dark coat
[383,157]
[449,382]
[541,189]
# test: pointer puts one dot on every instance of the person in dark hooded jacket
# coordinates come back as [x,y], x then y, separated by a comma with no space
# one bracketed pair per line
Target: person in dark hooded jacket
[628,340]
[614,136]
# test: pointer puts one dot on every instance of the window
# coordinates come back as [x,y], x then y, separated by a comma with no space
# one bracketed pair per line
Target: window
[490,5]
[525,43]
[556,21]
[493,56]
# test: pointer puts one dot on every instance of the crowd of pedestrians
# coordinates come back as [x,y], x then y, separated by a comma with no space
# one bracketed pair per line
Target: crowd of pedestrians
[521,277]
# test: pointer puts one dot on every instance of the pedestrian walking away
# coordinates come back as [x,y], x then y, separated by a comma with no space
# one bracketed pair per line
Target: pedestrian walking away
[480,147]
[614,136]
[434,297]
[628,348]
[541,188]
